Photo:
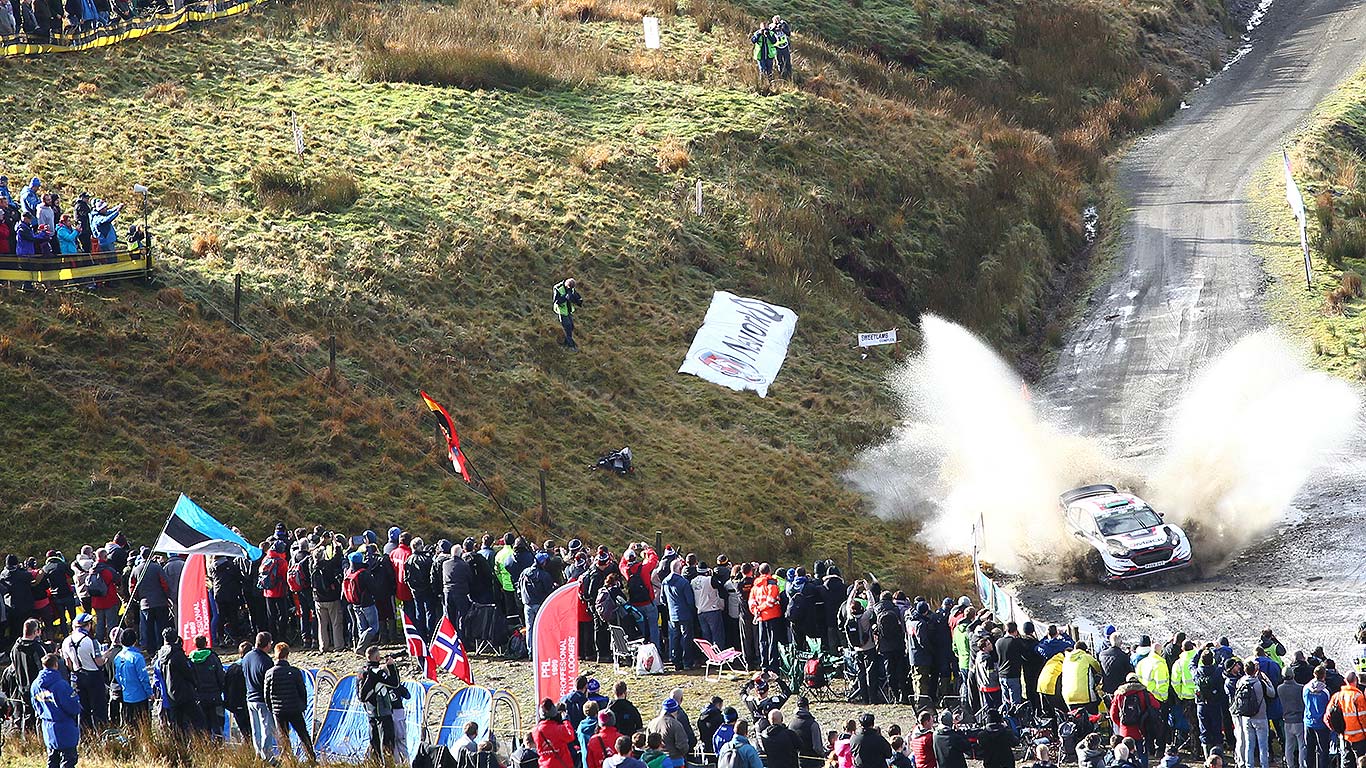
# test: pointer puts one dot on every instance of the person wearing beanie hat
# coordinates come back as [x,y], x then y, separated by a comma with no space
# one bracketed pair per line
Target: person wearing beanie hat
[869,747]
[534,585]
[602,744]
[672,733]
[726,731]
[682,602]
[575,545]
[393,533]
[554,739]
[594,691]
[17,583]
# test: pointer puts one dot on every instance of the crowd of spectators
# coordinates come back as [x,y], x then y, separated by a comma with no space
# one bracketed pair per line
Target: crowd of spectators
[34,223]
[45,21]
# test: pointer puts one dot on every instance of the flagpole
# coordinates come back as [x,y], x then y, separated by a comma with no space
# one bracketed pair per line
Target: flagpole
[491,494]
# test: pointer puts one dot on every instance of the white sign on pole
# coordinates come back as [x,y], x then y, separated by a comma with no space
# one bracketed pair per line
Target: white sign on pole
[875,339]
[742,343]
[1296,200]
[651,31]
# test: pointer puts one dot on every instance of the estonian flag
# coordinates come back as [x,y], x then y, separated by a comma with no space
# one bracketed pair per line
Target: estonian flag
[443,420]
[193,531]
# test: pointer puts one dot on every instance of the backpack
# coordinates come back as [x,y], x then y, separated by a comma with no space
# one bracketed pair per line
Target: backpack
[728,758]
[812,674]
[351,587]
[1207,688]
[1334,719]
[887,628]
[268,578]
[1245,699]
[295,578]
[326,579]
[94,583]
[417,572]
[636,590]
[1131,710]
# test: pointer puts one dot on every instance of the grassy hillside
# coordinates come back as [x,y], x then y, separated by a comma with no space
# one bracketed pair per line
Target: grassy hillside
[1327,160]
[462,158]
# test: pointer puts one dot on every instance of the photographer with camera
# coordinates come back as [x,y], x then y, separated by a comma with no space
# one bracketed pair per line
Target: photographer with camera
[566,301]
[381,693]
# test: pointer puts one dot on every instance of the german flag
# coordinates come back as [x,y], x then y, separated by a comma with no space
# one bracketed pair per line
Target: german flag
[443,420]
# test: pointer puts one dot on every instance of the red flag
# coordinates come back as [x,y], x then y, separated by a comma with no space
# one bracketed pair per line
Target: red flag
[448,653]
[417,646]
[192,603]
[443,420]
[555,644]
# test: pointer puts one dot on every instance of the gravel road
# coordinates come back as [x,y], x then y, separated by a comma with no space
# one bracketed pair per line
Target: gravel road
[1186,286]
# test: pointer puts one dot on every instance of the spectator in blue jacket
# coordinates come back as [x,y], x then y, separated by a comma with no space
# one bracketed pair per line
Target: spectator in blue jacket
[682,616]
[32,197]
[59,710]
[29,239]
[102,217]
[746,756]
[130,674]
[66,236]
[1318,738]
[1054,643]
[535,584]
[726,732]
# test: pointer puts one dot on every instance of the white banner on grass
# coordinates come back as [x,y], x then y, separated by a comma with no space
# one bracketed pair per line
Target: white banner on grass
[651,24]
[874,339]
[742,343]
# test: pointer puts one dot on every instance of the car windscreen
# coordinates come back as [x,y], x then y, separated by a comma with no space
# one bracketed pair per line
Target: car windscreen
[1132,519]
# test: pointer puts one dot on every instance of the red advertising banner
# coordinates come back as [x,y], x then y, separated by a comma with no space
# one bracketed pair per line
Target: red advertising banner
[192,604]
[555,644]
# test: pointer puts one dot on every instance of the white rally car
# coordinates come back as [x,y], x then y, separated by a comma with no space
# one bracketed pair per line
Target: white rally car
[1128,536]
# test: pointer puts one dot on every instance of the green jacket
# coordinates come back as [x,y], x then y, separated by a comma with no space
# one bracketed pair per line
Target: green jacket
[565,300]
[500,566]
[1183,677]
[763,45]
[962,645]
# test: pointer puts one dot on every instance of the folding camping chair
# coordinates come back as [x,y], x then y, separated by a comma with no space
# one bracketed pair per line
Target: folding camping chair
[485,629]
[623,648]
[724,661]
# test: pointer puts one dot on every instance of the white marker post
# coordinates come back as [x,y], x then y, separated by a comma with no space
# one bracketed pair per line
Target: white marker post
[1296,200]
[651,24]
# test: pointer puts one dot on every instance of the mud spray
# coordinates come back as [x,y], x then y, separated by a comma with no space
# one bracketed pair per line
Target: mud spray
[976,445]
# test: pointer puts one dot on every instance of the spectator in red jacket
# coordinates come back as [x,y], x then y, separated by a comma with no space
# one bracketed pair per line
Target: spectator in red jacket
[922,742]
[602,744]
[554,741]
[399,557]
[637,564]
[1132,709]
[271,579]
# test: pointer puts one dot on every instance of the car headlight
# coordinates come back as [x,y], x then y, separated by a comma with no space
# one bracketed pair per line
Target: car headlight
[1172,539]
[1116,549]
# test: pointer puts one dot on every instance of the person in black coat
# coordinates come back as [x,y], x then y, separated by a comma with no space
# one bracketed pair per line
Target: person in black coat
[457,585]
[996,743]
[209,682]
[287,695]
[1115,665]
[235,692]
[951,746]
[178,676]
[836,593]
[17,584]
[868,747]
[782,748]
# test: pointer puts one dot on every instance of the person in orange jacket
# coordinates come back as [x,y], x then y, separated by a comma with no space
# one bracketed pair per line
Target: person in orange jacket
[766,605]
[1350,703]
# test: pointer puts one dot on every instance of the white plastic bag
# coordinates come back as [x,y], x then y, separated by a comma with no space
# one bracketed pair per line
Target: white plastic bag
[648,661]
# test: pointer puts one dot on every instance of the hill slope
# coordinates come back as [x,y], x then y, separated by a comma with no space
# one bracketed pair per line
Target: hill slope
[929,156]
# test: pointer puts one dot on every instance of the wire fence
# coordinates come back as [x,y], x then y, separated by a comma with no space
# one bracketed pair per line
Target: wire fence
[330,366]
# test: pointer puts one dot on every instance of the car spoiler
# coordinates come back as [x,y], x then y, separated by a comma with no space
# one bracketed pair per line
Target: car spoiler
[1086,490]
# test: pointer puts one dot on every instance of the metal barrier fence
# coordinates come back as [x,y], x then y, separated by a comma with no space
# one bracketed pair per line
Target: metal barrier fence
[177,14]
[120,264]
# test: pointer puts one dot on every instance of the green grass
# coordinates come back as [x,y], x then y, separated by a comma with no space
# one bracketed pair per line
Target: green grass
[1326,157]
[426,224]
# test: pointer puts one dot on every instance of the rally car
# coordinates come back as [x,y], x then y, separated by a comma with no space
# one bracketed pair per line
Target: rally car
[1128,537]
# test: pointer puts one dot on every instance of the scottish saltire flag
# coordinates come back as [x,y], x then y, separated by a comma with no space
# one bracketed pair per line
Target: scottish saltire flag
[448,653]
[192,531]
[417,646]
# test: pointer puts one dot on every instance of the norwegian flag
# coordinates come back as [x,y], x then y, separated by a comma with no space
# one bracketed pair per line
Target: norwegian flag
[417,646]
[448,653]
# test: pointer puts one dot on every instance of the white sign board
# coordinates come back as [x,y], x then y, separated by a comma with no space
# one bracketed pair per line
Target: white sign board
[651,31]
[875,339]
[742,343]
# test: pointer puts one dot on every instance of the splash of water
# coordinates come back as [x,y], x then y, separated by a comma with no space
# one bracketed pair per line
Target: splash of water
[975,447]
[1251,429]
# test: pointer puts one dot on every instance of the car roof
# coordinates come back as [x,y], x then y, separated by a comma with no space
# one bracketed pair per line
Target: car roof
[1106,504]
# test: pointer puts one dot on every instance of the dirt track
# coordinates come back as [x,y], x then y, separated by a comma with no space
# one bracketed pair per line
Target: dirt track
[1186,286]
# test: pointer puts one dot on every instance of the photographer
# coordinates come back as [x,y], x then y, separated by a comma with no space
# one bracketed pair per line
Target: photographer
[379,690]
[567,301]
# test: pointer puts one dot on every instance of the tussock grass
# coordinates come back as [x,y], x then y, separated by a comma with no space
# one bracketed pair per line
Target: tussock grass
[285,190]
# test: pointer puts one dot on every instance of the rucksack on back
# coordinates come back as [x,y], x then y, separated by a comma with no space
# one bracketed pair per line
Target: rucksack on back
[636,590]
[268,578]
[295,579]
[351,587]
[94,583]
[1245,699]
[1131,711]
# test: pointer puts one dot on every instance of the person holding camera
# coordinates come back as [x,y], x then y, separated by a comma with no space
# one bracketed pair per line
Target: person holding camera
[381,693]
[765,49]
[567,301]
